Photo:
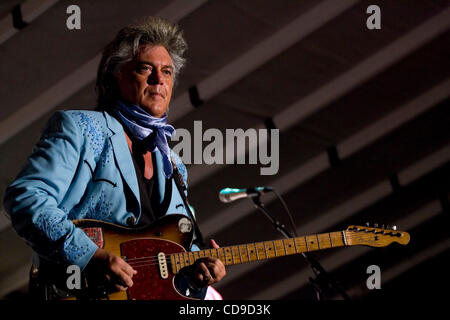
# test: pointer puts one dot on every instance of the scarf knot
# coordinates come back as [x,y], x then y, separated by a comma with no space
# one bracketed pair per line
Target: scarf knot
[150,131]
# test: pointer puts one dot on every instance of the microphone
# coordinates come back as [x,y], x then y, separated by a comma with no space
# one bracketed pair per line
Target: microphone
[231,194]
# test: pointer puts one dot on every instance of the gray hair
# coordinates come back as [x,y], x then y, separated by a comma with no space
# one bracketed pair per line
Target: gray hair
[125,47]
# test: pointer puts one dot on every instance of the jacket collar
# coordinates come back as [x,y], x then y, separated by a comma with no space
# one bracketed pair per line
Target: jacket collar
[123,158]
[126,167]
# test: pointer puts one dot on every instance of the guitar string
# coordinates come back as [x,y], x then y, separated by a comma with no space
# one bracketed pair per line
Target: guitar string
[155,258]
[151,260]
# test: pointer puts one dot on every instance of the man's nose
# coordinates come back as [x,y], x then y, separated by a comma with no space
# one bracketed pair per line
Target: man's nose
[155,77]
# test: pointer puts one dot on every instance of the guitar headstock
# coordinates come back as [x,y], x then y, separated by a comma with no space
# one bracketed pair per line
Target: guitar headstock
[375,237]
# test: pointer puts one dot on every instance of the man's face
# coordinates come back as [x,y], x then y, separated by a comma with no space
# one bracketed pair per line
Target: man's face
[147,81]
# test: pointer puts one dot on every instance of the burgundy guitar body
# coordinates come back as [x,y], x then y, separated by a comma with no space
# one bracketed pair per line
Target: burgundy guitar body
[148,284]
[140,247]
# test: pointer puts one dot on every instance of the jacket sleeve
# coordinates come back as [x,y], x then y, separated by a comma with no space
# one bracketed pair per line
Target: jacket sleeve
[33,199]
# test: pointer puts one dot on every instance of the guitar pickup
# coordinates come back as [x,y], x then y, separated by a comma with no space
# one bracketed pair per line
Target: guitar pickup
[162,263]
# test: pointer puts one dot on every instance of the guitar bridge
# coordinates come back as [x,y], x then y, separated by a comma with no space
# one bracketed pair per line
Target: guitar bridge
[162,263]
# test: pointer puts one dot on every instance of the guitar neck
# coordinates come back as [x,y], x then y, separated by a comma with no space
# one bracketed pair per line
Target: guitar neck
[261,250]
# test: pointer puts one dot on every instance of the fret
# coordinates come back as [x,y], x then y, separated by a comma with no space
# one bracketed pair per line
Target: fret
[196,255]
[191,258]
[295,245]
[337,239]
[331,241]
[236,255]
[244,253]
[318,242]
[214,253]
[228,256]
[186,259]
[312,243]
[248,254]
[201,253]
[279,248]
[221,254]
[261,248]
[177,262]
[173,264]
[344,239]
[301,244]
[324,241]
[269,248]
[253,252]
[284,246]
[290,249]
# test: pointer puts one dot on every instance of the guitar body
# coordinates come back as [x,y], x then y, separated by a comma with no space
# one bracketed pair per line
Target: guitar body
[140,247]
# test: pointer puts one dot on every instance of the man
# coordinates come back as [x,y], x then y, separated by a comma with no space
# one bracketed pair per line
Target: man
[112,164]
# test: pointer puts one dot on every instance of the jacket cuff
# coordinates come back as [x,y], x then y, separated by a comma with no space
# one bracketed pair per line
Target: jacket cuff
[79,249]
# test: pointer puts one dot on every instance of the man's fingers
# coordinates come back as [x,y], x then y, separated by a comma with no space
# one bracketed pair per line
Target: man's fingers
[203,275]
[123,273]
[128,269]
[125,280]
[213,244]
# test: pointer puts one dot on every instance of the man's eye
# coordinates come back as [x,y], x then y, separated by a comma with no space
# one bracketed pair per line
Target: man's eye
[143,69]
[168,72]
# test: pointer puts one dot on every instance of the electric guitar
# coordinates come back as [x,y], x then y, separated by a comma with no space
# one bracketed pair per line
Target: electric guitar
[158,252]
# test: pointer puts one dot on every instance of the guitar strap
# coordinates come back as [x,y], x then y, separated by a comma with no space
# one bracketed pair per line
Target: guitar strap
[181,186]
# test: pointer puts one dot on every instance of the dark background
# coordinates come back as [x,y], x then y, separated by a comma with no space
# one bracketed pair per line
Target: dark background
[363,118]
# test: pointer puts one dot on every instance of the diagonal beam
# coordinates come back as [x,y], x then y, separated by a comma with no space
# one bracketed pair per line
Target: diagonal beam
[421,167]
[345,256]
[370,67]
[365,70]
[349,146]
[71,84]
[261,53]
[350,207]
[30,9]
[399,268]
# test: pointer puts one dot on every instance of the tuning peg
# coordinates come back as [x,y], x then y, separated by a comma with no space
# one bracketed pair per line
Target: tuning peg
[367,224]
[394,228]
[376,225]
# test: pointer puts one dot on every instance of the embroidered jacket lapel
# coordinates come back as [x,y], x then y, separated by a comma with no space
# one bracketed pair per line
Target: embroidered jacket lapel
[123,156]
[164,188]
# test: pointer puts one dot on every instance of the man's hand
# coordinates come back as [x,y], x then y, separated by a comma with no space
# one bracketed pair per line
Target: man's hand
[208,270]
[117,269]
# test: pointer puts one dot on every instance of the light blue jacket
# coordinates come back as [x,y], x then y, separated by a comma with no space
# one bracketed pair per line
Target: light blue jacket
[80,168]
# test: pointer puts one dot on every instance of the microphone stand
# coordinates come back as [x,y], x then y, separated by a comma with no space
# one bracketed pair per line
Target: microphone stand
[322,280]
